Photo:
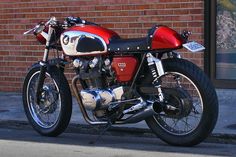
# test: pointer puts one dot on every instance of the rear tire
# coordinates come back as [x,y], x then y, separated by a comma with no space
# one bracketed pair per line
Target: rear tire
[210,106]
[60,94]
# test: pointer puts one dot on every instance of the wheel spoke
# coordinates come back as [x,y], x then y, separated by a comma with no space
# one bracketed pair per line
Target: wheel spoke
[175,126]
[47,112]
[190,113]
[194,116]
[188,126]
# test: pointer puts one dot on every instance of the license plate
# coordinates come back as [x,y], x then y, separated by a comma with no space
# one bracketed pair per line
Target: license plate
[193,46]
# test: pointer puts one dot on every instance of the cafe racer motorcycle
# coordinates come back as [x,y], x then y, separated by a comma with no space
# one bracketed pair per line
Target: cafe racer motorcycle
[119,81]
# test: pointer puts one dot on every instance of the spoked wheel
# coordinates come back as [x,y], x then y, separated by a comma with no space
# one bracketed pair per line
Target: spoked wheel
[51,115]
[46,113]
[192,106]
[186,101]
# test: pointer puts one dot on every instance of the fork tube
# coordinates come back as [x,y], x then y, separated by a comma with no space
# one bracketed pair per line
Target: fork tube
[43,66]
[47,47]
[39,85]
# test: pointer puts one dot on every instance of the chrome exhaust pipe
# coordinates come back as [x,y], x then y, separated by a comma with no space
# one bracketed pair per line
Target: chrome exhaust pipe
[82,108]
[151,110]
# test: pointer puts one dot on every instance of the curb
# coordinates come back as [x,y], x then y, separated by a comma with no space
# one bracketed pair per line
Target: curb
[114,131]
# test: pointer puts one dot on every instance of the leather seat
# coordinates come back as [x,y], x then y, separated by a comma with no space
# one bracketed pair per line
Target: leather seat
[135,44]
[132,44]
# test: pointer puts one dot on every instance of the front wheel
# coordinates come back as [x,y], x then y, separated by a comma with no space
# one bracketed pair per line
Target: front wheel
[190,92]
[51,116]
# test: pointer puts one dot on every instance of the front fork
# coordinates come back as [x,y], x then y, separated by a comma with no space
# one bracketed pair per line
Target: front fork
[43,66]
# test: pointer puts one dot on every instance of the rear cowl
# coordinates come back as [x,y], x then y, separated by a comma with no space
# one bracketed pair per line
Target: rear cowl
[166,38]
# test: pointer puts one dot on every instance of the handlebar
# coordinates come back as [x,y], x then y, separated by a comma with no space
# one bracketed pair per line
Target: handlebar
[52,21]
[41,26]
[68,22]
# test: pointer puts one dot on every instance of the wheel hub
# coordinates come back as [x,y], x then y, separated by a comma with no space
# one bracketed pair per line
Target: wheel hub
[180,100]
[48,100]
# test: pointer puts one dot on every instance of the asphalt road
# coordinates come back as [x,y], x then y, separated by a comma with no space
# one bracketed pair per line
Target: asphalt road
[27,143]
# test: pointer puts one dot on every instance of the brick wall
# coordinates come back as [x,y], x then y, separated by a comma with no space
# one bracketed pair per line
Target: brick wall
[130,18]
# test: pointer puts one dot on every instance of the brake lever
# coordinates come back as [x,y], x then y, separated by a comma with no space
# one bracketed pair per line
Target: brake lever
[52,19]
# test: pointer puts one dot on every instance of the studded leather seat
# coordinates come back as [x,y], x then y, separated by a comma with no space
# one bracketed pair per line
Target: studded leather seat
[136,44]
[132,44]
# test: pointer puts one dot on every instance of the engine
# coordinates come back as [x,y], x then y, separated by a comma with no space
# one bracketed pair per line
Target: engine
[100,99]
[104,79]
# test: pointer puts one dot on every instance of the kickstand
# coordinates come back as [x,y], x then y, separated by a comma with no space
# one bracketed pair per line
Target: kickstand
[108,126]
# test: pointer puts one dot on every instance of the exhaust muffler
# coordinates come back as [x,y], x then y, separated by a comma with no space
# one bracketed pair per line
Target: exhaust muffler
[151,110]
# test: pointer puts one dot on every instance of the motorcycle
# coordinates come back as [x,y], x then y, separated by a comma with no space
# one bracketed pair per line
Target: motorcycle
[119,81]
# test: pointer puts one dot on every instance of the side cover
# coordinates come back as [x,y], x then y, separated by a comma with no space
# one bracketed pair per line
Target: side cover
[124,67]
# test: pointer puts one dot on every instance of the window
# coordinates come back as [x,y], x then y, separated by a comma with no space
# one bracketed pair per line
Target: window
[220,42]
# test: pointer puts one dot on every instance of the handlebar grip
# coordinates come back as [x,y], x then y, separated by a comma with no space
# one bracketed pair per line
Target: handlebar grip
[29,31]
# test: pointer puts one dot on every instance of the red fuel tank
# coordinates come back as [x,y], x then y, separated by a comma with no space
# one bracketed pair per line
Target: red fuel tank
[124,67]
[104,33]
[166,38]
[85,40]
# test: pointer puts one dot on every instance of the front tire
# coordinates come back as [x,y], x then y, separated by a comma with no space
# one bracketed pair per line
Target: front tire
[52,115]
[209,103]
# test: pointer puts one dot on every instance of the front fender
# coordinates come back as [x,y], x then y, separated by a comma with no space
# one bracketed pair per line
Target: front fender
[51,64]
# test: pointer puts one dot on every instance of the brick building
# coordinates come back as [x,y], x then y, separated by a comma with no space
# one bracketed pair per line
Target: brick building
[130,18]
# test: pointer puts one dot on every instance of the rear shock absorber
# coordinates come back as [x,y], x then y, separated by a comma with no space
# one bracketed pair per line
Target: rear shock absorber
[156,68]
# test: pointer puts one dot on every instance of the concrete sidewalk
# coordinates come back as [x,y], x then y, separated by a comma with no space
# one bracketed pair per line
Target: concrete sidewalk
[11,108]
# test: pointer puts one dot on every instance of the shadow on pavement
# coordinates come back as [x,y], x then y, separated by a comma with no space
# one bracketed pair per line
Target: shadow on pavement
[27,134]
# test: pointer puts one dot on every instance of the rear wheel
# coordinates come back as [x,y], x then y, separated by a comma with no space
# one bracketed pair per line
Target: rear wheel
[51,116]
[192,96]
